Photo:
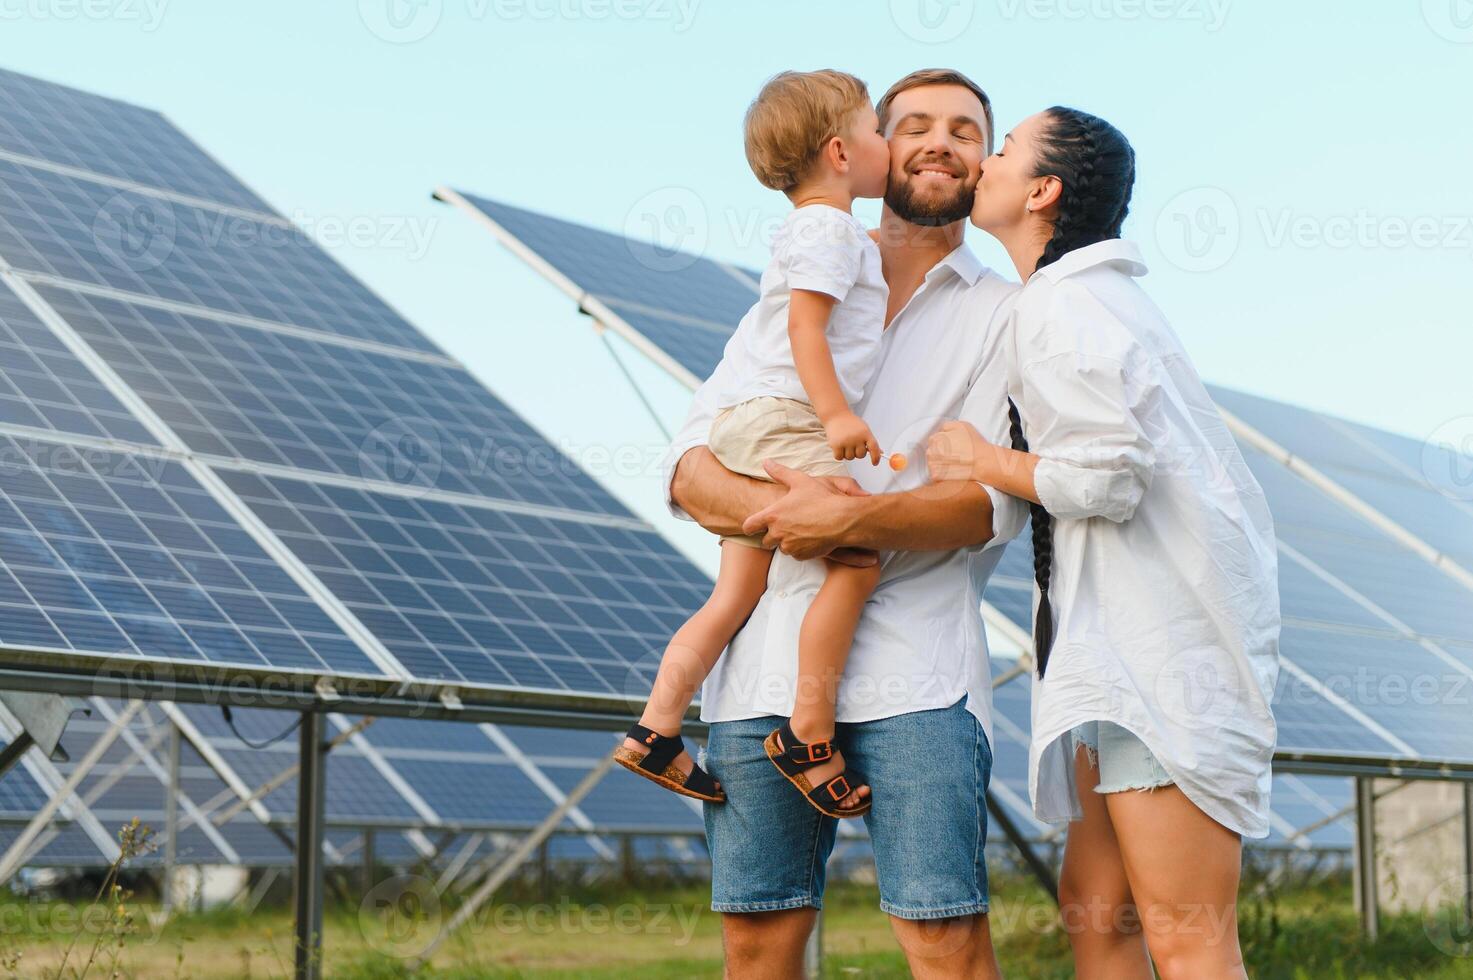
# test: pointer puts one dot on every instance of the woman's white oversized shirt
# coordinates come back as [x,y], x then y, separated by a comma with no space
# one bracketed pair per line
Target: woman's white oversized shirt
[1165,574]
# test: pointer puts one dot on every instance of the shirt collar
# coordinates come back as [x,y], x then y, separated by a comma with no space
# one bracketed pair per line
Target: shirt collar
[962,261]
[1124,255]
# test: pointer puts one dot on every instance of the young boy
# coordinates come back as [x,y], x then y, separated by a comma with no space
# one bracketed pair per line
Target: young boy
[801,357]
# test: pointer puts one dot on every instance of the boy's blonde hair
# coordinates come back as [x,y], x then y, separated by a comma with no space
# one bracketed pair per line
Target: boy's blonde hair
[793,117]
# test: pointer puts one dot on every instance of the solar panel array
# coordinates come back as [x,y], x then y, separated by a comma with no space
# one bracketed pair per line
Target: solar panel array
[1377,642]
[194,397]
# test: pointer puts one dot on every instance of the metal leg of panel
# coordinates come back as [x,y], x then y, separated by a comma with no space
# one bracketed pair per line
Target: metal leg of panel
[307,884]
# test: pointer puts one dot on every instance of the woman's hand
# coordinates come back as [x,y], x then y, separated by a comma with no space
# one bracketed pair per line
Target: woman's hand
[956,451]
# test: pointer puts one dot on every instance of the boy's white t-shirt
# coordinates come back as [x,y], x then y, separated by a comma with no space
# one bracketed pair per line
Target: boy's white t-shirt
[822,249]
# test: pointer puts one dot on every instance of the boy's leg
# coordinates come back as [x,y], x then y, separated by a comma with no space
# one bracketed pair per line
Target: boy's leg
[693,649]
[823,648]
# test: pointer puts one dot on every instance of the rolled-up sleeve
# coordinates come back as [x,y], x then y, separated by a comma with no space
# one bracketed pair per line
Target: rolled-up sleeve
[694,431]
[1096,458]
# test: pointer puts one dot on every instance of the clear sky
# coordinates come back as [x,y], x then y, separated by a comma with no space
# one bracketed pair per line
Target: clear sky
[1303,195]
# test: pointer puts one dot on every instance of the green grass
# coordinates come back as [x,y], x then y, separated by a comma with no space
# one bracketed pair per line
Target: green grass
[668,933]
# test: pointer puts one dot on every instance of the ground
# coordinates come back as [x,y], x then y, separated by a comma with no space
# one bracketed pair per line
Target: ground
[654,933]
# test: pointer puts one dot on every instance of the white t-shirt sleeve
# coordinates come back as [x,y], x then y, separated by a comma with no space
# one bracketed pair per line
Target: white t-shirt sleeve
[696,429]
[823,253]
[1090,401]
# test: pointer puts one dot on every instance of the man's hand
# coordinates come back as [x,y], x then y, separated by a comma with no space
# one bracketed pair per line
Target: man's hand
[809,520]
[850,438]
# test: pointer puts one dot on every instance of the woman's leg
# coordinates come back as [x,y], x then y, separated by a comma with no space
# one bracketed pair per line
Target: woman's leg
[693,649]
[1183,868]
[1095,901]
[823,648]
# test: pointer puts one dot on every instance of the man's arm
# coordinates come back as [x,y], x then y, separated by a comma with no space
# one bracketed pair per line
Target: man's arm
[812,519]
[715,497]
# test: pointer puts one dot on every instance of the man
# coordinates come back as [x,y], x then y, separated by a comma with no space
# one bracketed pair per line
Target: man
[914,705]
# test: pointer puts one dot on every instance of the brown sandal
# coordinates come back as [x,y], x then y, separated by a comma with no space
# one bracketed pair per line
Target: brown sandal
[792,757]
[658,765]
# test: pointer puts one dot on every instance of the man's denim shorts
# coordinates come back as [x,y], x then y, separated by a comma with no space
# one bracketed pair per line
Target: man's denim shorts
[1123,759]
[928,773]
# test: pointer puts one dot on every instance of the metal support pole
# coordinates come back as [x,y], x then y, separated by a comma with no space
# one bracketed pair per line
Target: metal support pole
[1365,856]
[12,752]
[813,949]
[171,820]
[1468,859]
[1036,864]
[369,860]
[307,884]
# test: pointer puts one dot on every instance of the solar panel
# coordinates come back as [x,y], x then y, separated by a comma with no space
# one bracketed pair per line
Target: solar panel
[487,595]
[43,385]
[417,511]
[1362,610]
[122,553]
[94,234]
[45,121]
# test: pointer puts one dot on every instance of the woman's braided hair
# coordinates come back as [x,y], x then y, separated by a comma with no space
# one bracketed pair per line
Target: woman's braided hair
[1096,168]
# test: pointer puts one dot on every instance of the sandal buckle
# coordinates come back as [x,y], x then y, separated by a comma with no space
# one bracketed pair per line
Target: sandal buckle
[842,789]
[818,752]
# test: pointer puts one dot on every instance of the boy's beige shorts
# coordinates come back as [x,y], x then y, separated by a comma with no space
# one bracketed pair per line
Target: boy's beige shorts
[784,430]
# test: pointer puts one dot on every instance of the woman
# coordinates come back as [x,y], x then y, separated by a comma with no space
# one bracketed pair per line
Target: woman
[1156,643]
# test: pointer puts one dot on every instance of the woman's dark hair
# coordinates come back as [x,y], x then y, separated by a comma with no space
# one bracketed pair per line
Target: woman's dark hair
[1096,166]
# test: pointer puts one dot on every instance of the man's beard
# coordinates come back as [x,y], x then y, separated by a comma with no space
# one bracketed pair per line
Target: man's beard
[900,197]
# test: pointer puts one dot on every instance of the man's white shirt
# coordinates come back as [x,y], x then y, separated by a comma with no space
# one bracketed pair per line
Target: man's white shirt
[920,643]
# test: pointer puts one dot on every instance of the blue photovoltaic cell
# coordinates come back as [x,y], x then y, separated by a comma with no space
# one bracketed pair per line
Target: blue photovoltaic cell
[93,233]
[685,303]
[118,553]
[355,789]
[19,794]
[43,385]
[254,394]
[484,595]
[1424,487]
[78,129]
[621,800]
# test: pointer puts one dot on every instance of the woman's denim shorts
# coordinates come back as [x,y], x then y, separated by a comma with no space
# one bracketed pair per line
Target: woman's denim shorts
[1123,759]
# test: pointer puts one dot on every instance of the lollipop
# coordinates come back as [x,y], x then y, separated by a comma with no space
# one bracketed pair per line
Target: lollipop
[898,461]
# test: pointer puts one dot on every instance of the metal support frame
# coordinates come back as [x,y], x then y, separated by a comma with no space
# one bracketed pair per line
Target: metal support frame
[171,819]
[307,881]
[1366,899]
[1468,859]
[514,860]
[13,858]
[13,751]
[1014,834]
